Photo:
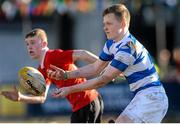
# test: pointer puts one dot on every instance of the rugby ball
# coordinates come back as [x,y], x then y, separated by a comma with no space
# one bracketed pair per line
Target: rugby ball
[32,80]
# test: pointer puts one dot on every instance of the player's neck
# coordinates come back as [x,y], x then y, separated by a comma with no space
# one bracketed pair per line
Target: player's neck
[121,36]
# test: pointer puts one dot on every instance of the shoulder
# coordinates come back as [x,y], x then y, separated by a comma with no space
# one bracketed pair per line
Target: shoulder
[56,53]
[53,52]
[59,52]
[109,43]
[125,48]
[58,57]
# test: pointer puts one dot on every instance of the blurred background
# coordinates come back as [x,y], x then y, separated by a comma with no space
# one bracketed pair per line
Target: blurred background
[77,24]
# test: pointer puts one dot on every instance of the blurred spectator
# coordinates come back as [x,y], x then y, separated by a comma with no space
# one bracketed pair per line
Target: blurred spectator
[164,63]
[173,75]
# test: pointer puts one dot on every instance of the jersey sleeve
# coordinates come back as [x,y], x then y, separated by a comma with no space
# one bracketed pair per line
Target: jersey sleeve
[105,54]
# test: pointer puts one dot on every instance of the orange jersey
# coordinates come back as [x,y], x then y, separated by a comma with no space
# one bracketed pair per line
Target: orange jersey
[64,60]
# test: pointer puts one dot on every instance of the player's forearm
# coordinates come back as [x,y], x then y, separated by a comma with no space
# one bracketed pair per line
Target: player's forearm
[86,71]
[32,99]
[91,84]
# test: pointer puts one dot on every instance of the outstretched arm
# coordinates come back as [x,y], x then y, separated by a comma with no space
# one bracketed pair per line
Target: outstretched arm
[109,74]
[15,95]
[89,70]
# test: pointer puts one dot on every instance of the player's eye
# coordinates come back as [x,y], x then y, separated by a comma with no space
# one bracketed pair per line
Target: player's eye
[32,42]
[108,23]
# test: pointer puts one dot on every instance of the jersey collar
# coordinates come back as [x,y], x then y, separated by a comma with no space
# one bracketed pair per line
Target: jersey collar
[43,57]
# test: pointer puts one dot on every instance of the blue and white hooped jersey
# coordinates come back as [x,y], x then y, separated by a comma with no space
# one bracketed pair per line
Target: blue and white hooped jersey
[131,57]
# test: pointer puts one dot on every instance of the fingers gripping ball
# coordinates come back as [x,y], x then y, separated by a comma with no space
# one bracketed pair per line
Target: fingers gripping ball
[32,80]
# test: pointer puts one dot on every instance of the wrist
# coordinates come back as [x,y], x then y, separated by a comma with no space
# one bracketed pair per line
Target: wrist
[19,97]
[65,75]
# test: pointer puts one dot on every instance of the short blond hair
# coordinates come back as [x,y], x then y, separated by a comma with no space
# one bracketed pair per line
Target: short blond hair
[39,33]
[120,11]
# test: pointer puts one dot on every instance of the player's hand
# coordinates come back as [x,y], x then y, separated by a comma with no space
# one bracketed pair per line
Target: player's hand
[55,73]
[13,95]
[121,75]
[60,93]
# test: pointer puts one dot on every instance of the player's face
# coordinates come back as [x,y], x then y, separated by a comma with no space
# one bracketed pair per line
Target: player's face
[34,47]
[112,27]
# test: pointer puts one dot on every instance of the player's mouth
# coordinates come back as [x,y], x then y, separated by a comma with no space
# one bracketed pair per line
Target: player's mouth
[31,53]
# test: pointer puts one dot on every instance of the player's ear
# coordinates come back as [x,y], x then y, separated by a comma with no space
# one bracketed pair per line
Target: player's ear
[44,44]
[123,23]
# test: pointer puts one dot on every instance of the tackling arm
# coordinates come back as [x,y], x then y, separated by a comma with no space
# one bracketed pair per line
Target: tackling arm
[86,71]
[89,70]
[109,74]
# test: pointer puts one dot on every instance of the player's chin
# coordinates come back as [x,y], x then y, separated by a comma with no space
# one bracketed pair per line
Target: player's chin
[34,57]
[109,37]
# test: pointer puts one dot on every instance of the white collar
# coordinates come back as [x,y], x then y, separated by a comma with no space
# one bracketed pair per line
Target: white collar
[43,57]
